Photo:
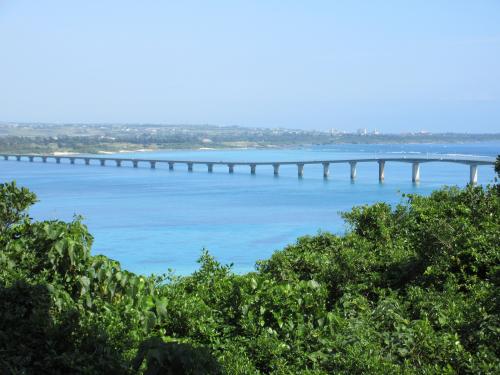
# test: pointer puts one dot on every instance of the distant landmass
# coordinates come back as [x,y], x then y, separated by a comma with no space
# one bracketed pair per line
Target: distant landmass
[102,138]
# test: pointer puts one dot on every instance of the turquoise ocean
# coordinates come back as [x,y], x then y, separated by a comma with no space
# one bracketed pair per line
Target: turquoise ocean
[153,220]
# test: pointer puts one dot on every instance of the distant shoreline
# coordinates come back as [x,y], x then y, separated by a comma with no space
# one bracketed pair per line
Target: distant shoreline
[215,148]
[270,147]
[67,139]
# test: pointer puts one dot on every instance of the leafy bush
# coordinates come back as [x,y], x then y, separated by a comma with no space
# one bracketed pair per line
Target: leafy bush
[411,289]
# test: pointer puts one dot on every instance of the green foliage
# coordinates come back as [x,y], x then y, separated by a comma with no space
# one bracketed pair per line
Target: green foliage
[13,204]
[172,358]
[407,290]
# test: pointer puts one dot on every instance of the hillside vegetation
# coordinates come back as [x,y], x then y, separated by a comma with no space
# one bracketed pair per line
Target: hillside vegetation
[411,289]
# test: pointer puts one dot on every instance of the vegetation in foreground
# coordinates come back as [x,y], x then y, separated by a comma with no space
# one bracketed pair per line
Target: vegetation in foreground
[408,290]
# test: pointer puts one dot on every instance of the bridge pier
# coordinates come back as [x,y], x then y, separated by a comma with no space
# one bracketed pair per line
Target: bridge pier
[300,170]
[326,170]
[473,163]
[276,168]
[353,169]
[381,168]
[473,174]
[415,172]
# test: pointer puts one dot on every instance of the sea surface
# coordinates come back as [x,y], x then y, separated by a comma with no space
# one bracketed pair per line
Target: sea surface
[155,220]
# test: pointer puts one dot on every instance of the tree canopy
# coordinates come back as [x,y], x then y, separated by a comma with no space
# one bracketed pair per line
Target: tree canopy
[411,289]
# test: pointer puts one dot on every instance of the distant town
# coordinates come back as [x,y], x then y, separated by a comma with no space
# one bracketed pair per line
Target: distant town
[107,138]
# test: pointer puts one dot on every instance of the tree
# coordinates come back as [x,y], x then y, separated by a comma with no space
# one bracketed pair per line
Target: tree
[409,289]
[14,202]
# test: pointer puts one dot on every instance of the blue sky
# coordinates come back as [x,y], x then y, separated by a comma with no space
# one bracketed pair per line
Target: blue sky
[390,65]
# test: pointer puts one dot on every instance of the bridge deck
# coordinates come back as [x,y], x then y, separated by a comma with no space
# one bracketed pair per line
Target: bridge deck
[415,161]
[478,161]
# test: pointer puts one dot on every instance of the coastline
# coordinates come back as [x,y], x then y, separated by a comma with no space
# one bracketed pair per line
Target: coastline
[281,147]
[124,150]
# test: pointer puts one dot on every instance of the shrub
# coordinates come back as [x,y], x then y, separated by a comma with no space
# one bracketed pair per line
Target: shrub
[411,289]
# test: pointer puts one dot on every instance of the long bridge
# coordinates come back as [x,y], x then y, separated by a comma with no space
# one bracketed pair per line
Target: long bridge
[473,163]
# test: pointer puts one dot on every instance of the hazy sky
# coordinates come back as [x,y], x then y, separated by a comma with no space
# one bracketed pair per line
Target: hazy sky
[346,64]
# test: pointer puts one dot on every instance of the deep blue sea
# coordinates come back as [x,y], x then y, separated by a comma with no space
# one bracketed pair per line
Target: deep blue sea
[153,220]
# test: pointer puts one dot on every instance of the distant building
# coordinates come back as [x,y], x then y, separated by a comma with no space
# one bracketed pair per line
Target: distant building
[363,131]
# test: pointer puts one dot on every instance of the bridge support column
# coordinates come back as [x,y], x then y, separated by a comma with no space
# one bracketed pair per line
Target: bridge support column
[300,170]
[135,163]
[58,160]
[152,164]
[170,166]
[276,168]
[252,168]
[31,158]
[326,170]
[190,167]
[381,168]
[353,170]
[415,172]
[473,174]
[103,162]
[44,159]
[231,168]
[18,157]
[72,160]
[210,167]
[118,163]
[87,161]
[6,157]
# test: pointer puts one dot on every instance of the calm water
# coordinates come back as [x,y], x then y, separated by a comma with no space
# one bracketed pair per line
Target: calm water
[152,220]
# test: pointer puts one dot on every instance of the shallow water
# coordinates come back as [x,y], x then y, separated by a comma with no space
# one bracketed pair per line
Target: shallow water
[152,220]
